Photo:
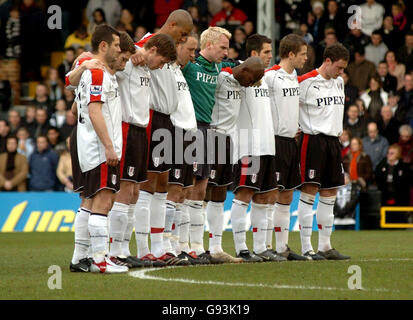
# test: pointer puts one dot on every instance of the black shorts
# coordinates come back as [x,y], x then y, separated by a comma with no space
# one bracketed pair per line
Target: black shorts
[222,170]
[201,166]
[247,176]
[287,163]
[134,160]
[77,175]
[160,160]
[101,177]
[321,161]
[181,171]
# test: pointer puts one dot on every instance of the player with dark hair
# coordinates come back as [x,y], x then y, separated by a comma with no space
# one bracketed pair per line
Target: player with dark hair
[321,120]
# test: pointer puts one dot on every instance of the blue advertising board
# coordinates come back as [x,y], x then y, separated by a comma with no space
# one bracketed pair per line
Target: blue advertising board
[55,211]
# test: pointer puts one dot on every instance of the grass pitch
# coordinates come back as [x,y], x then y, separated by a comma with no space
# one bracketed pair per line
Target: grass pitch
[384,257]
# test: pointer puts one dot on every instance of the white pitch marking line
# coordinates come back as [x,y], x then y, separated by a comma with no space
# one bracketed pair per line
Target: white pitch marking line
[142,274]
[385,259]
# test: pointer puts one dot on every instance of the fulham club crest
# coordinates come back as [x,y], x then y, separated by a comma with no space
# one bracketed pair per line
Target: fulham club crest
[177,173]
[131,171]
[195,166]
[254,178]
[156,161]
[113,179]
[311,173]
[277,176]
[213,172]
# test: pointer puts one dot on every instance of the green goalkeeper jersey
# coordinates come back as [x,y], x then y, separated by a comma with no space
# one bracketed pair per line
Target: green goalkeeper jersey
[201,77]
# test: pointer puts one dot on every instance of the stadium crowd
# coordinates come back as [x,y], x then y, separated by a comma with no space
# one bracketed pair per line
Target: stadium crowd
[377,143]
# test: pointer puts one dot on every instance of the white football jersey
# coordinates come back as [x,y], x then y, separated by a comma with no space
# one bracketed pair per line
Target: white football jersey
[98,86]
[184,115]
[284,94]
[321,104]
[135,89]
[256,132]
[163,97]
[227,106]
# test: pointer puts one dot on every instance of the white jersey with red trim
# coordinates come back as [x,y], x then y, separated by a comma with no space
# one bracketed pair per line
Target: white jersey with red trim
[68,85]
[184,115]
[256,132]
[227,106]
[284,94]
[98,86]
[321,104]
[135,88]
[163,97]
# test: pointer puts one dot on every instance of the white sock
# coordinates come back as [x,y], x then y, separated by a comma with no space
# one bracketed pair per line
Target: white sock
[281,226]
[184,228]
[238,221]
[128,232]
[118,218]
[305,219]
[196,227]
[169,221]
[325,221]
[270,225]
[175,229]
[82,238]
[142,218]
[98,230]
[259,226]
[215,216]
[158,208]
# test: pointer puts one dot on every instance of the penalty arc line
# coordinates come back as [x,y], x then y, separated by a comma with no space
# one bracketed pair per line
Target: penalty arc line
[143,274]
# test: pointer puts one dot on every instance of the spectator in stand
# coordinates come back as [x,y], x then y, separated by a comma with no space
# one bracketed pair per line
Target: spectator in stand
[14,120]
[13,168]
[357,128]
[355,39]
[389,82]
[250,29]
[54,85]
[4,133]
[202,6]
[376,50]
[345,206]
[374,144]
[64,169]
[393,178]
[395,68]
[329,39]
[128,19]
[79,38]
[388,126]
[332,18]
[358,164]
[80,50]
[66,65]
[42,166]
[363,113]
[98,18]
[69,124]
[361,70]
[351,93]
[345,139]
[371,16]
[233,53]
[111,8]
[42,123]
[42,99]
[53,137]
[25,143]
[405,53]
[163,8]
[315,21]
[304,31]
[399,19]
[229,17]
[399,113]
[199,21]
[140,31]
[406,144]
[69,97]
[406,98]
[12,36]
[58,118]
[238,42]
[391,36]
[30,120]
[374,97]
